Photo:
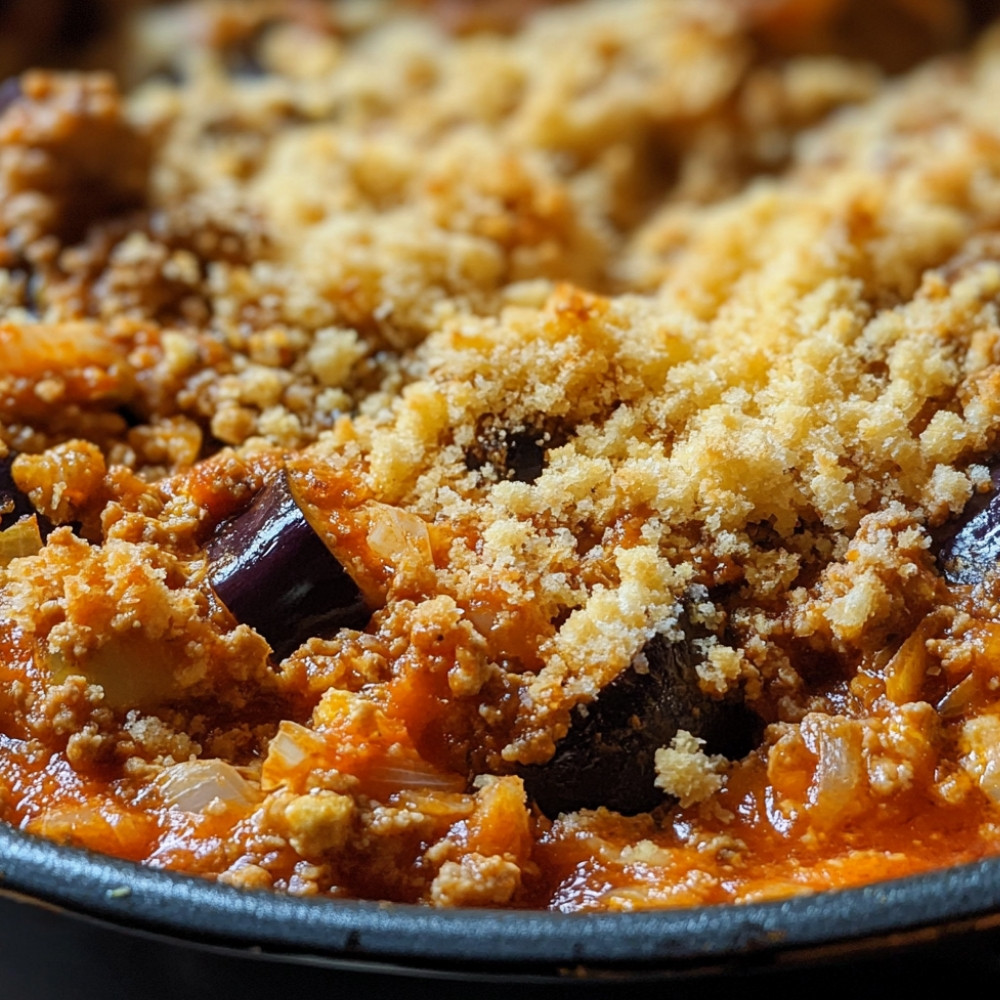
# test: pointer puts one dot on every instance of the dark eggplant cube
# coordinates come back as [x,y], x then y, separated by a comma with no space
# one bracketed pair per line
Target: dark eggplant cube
[524,457]
[517,454]
[275,574]
[608,756]
[968,546]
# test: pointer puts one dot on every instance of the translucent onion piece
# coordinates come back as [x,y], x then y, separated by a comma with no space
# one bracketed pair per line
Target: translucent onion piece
[107,828]
[296,751]
[388,777]
[21,539]
[959,698]
[133,670]
[840,781]
[398,537]
[194,785]
[291,755]
[904,673]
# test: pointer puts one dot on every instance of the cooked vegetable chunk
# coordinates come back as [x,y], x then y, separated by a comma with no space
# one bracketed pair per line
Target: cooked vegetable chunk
[271,570]
[608,756]
[558,406]
[514,454]
[970,544]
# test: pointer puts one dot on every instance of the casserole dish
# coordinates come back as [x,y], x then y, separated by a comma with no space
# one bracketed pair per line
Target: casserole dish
[608,526]
[82,923]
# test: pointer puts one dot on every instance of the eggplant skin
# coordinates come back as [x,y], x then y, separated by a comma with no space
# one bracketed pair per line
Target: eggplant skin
[968,546]
[513,453]
[607,757]
[275,574]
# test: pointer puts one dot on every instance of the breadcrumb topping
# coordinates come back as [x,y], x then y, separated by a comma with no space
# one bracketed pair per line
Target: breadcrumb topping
[604,346]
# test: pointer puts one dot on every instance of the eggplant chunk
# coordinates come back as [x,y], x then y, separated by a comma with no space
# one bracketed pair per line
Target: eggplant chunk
[274,573]
[607,757]
[968,546]
[512,453]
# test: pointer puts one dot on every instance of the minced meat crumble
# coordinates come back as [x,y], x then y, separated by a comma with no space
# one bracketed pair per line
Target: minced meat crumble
[623,373]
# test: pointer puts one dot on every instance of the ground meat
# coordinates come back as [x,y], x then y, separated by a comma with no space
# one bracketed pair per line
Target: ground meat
[578,334]
[70,157]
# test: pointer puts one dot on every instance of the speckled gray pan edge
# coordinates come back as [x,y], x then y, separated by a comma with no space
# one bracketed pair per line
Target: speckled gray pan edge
[196,910]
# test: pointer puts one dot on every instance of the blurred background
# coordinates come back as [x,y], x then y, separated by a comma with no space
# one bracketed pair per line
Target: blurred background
[95,33]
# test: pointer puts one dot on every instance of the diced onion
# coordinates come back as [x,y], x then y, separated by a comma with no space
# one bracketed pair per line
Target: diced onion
[293,748]
[21,539]
[959,698]
[295,752]
[398,537]
[395,777]
[840,779]
[904,673]
[193,785]
[105,827]
[133,670]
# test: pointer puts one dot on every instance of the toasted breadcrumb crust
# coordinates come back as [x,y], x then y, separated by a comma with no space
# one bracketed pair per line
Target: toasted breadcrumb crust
[686,772]
[572,327]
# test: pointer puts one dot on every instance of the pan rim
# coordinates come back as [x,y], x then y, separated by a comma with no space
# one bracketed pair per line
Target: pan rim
[943,902]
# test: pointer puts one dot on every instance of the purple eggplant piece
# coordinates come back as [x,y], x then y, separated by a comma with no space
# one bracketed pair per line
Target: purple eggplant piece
[607,757]
[968,546]
[274,573]
[10,91]
[517,454]
[14,504]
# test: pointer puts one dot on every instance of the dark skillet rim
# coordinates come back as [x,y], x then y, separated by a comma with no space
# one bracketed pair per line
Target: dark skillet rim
[898,912]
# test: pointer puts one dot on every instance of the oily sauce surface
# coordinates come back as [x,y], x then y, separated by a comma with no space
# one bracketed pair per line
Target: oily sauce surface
[631,353]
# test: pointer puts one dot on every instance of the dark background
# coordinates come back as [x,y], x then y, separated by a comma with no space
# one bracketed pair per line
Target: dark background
[46,954]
